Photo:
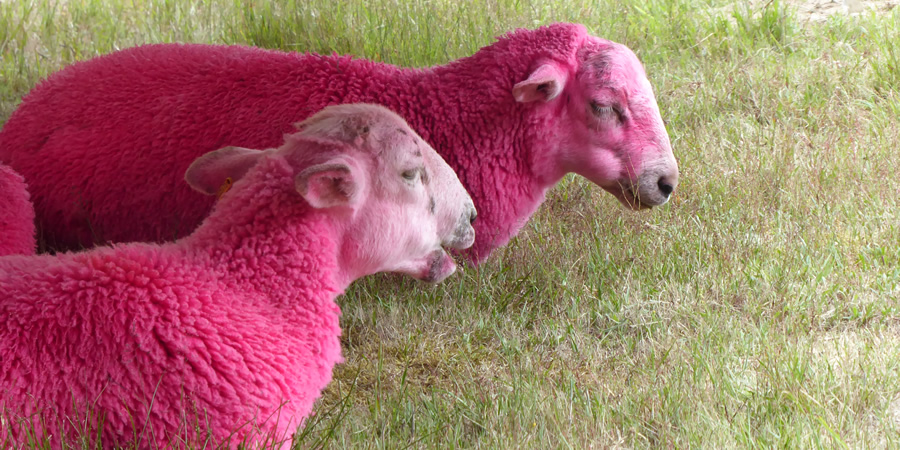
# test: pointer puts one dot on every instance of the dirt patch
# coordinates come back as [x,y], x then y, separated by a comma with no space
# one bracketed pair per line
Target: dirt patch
[821,10]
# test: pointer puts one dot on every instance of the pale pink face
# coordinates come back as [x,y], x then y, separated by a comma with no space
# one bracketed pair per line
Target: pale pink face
[609,129]
[407,203]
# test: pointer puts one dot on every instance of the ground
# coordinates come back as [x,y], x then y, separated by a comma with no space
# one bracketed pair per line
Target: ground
[759,308]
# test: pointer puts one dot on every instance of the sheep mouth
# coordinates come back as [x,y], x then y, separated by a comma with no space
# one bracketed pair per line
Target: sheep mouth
[628,197]
[440,266]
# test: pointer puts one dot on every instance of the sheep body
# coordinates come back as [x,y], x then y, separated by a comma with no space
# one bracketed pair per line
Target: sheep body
[155,325]
[102,142]
[17,234]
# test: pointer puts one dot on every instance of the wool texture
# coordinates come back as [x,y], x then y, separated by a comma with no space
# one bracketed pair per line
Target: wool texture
[17,235]
[104,143]
[233,329]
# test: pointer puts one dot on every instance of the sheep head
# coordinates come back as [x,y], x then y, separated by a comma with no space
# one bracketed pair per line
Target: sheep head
[395,200]
[606,127]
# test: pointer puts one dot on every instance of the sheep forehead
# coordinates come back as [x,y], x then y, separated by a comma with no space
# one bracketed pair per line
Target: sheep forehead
[614,65]
[389,136]
[363,129]
[346,122]
[395,147]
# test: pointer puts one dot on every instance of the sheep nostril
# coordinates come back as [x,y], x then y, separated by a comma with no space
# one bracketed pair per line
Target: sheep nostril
[472,216]
[665,187]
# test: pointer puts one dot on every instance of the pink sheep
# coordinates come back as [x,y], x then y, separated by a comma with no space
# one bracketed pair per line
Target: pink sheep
[234,327]
[102,142]
[16,215]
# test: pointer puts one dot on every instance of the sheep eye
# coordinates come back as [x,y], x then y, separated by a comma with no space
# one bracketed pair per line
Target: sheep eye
[601,110]
[410,175]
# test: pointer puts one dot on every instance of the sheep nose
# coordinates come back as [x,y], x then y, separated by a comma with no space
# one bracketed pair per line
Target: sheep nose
[464,234]
[665,186]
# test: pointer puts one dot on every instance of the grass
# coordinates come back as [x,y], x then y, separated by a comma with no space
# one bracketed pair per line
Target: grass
[759,308]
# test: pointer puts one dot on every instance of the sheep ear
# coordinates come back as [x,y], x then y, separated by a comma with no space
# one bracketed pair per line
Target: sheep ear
[331,184]
[545,83]
[214,172]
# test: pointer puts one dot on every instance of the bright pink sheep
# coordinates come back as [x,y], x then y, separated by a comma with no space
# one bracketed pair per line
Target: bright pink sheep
[233,329]
[102,143]
[16,215]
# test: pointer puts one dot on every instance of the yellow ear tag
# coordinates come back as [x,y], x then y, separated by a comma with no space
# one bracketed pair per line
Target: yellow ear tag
[224,187]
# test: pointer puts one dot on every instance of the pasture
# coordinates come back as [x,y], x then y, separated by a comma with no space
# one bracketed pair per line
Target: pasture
[758,308]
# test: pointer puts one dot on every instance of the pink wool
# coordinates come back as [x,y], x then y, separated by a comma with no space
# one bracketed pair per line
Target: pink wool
[16,215]
[228,347]
[232,330]
[102,143]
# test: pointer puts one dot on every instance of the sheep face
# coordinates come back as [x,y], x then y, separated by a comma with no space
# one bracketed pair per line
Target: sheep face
[407,202]
[609,128]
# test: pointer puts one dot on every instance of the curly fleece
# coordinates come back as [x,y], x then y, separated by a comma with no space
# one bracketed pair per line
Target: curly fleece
[16,215]
[232,328]
[103,143]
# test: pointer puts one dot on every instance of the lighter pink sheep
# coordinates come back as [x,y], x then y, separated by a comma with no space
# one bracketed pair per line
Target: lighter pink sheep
[233,329]
[16,215]
[102,142]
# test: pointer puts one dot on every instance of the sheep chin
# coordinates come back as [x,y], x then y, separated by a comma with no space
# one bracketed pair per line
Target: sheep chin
[627,197]
[441,265]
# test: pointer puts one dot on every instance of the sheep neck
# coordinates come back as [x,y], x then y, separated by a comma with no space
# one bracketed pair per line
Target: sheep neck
[467,106]
[264,237]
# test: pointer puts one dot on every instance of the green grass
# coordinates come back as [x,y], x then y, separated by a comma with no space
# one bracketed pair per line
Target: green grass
[759,308]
